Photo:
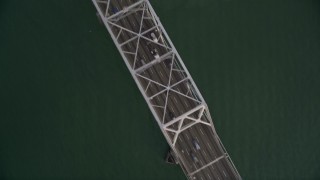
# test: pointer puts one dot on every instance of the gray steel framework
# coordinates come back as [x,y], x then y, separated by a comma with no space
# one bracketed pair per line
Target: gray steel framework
[166,85]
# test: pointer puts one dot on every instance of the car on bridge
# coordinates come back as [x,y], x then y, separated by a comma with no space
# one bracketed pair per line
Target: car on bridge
[196,144]
[194,158]
[154,37]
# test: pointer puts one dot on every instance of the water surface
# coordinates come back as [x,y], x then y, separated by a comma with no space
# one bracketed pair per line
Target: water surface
[70,109]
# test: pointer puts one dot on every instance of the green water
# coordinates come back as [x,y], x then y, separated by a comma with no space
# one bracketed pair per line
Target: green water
[70,109]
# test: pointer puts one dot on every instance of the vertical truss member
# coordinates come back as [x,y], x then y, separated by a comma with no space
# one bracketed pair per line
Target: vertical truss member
[166,85]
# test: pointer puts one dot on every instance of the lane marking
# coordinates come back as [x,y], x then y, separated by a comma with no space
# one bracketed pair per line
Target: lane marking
[151,71]
[186,103]
[172,109]
[161,74]
[187,136]
[201,163]
[224,174]
[194,149]
[209,176]
[201,131]
[175,99]
[209,146]
[197,139]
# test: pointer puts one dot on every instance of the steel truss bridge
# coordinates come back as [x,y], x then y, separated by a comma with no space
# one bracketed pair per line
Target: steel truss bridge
[166,85]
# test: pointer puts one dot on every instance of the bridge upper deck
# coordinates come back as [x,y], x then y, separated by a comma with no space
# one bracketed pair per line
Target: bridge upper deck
[167,87]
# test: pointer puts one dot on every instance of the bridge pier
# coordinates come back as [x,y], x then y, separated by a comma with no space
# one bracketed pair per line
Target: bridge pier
[171,157]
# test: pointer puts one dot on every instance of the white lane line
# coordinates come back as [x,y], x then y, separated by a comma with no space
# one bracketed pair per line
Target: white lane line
[201,163]
[194,149]
[188,153]
[175,99]
[204,153]
[187,136]
[218,178]
[180,139]
[178,89]
[158,98]
[209,176]
[201,178]
[197,139]
[161,74]
[224,174]
[172,109]
[201,131]
[186,103]
[151,71]
[209,146]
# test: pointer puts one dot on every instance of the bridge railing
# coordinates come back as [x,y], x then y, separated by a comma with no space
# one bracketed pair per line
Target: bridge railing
[147,50]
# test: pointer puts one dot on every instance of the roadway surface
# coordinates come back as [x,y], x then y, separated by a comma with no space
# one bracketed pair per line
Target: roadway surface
[210,161]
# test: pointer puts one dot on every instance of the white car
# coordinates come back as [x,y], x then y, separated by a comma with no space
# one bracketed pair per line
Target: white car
[155,53]
[154,37]
[143,62]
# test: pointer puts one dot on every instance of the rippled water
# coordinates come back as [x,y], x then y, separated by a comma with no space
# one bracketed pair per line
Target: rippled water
[70,109]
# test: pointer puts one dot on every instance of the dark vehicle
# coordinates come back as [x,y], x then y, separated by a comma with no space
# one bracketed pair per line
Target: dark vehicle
[115,10]
[196,144]
[194,158]
[167,62]
[171,115]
